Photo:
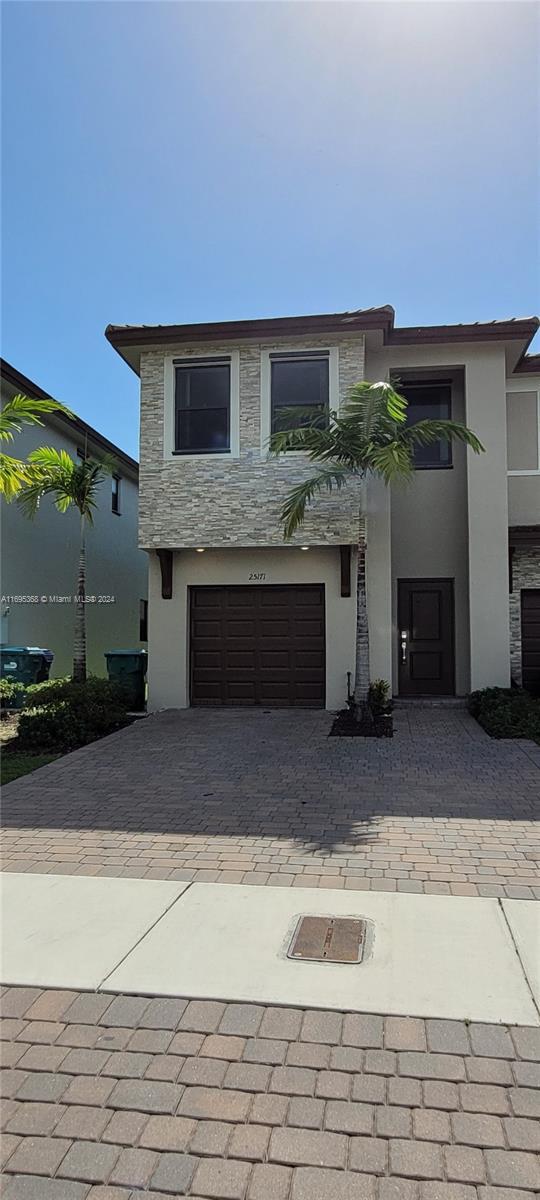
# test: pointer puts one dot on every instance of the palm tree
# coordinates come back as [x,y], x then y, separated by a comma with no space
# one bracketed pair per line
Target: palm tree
[369,436]
[54,473]
[21,410]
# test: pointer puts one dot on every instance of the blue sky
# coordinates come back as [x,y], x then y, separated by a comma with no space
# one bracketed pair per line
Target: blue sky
[169,162]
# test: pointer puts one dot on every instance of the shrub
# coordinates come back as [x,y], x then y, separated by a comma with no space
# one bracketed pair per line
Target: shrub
[379,697]
[60,691]
[10,692]
[488,698]
[64,715]
[506,712]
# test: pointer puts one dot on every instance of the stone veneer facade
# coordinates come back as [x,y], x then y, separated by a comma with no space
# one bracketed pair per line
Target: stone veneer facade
[235,501]
[525,574]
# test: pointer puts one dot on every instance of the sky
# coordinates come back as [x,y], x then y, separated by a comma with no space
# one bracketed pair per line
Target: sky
[179,162]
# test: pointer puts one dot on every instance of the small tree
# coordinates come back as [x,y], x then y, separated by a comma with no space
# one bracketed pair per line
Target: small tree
[369,436]
[21,410]
[69,483]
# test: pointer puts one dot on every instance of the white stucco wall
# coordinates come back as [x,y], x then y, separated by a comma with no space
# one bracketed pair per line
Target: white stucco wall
[168,644]
[454,524]
[40,557]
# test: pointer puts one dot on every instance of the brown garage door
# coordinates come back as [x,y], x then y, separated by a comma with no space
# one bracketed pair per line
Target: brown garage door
[530,639]
[258,645]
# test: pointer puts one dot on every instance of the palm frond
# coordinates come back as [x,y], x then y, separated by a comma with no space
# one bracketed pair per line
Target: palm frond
[49,459]
[370,403]
[24,410]
[294,507]
[56,474]
[392,461]
[13,476]
[319,444]
[424,433]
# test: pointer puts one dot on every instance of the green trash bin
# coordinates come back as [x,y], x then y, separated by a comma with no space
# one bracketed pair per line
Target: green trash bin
[26,665]
[128,667]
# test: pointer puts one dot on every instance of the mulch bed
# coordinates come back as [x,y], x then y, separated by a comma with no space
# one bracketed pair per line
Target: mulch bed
[346,725]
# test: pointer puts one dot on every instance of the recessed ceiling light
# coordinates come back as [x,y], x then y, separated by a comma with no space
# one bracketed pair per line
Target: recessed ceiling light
[304,547]
[200,549]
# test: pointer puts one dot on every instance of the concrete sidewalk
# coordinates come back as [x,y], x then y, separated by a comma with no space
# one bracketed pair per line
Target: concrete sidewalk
[314,1088]
[429,956]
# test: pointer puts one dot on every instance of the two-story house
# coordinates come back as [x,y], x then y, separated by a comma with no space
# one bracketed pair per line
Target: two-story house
[40,556]
[237,617]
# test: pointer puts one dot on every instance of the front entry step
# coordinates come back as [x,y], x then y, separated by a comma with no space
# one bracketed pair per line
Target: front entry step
[413,704]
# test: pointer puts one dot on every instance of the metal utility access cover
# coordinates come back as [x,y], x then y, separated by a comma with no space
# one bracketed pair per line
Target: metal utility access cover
[329,939]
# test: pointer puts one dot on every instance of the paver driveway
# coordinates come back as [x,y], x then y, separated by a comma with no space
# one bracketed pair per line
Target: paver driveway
[266,797]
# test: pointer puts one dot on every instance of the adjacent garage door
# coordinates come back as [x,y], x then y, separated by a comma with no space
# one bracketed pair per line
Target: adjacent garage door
[258,645]
[530,639]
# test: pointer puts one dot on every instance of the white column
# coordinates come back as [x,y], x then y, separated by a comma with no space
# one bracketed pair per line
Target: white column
[167,639]
[485,408]
[379,579]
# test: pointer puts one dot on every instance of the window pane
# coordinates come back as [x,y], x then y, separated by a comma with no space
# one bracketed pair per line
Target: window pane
[522,431]
[202,409]
[301,384]
[205,431]
[143,620]
[202,387]
[429,403]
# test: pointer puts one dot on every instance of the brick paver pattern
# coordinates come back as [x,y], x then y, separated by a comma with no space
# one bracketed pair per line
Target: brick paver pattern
[110,1097]
[268,798]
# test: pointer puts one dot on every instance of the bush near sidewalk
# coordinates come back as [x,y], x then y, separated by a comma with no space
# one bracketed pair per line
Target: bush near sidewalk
[10,691]
[61,715]
[506,712]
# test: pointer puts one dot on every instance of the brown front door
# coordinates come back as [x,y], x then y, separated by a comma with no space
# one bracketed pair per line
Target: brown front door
[261,645]
[426,637]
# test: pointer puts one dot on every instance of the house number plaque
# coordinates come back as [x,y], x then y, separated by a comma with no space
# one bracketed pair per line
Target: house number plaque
[257,576]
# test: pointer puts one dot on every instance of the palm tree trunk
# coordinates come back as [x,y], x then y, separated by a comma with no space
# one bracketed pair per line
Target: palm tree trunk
[361,675]
[79,649]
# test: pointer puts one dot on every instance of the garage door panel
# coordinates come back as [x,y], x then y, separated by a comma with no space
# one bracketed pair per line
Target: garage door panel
[273,628]
[209,599]
[207,659]
[209,693]
[266,648]
[310,658]
[306,694]
[274,598]
[240,660]
[307,629]
[238,599]
[207,629]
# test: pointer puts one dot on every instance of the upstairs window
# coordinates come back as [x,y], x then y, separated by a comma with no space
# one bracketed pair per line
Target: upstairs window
[429,401]
[523,432]
[202,406]
[299,381]
[115,494]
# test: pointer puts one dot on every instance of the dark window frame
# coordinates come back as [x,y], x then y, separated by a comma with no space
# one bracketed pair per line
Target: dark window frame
[299,357]
[115,494]
[143,620]
[403,387]
[196,364]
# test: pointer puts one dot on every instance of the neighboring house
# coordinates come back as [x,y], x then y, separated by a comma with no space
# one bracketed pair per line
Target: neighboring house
[40,556]
[238,617]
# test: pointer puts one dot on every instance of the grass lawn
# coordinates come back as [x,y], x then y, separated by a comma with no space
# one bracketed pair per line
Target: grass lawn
[13,765]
